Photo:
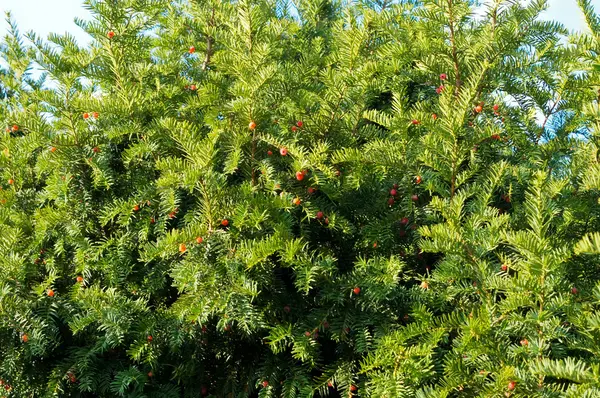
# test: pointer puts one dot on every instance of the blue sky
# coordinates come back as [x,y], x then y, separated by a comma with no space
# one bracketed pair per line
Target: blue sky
[45,16]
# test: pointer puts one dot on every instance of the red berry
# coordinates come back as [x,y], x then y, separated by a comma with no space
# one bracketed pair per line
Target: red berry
[225,222]
[25,338]
[299,123]
[439,89]
[265,383]
[404,221]
[319,215]
[136,208]
[150,339]
[415,122]
[283,152]
[307,334]
[299,175]
[330,384]
[434,116]
[512,385]
[297,201]
[11,181]
[252,125]
[496,136]
[414,198]
[395,186]
[96,115]
[50,293]
[294,129]
[199,240]
[287,309]
[270,153]
[353,388]
[182,248]
[504,267]
[96,149]
[524,342]
[393,192]
[326,220]
[443,76]
[192,50]
[110,34]
[374,244]
[150,374]
[496,107]
[311,190]
[356,290]
[193,87]
[152,220]
[478,108]
[15,127]
[52,149]
[574,290]
[80,279]
[418,179]
[86,115]
[390,201]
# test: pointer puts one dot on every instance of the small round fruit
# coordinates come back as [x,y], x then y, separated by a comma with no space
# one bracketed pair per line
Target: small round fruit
[439,89]
[53,149]
[511,385]
[393,192]
[149,338]
[193,87]
[443,76]
[478,108]
[86,115]
[415,122]
[110,34]
[404,221]
[415,198]
[50,293]
[225,222]
[434,116]
[25,338]
[319,215]
[356,290]
[287,309]
[574,290]
[391,201]
[496,107]
[96,149]
[150,374]
[15,127]
[299,175]
[204,390]
[182,248]
[330,384]
[192,50]
[307,334]
[80,279]
[252,125]
[294,129]
[96,115]
[265,383]
[270,153]
[283,152]
[136,208]
[418,179]
[296,201]
[11,181]
[311,190]
[424,285]
[375,245]
[199,240]
[353,388]
[504,267]
[524,342]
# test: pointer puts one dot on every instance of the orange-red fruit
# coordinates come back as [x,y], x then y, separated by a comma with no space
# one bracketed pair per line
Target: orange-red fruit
[110,34]
[418,179]
[199,240]
[393,192]
[294,129]
[307,334]
[404,220]
[25,338]
[524,342]
[414,198]
[80,279]
[50,293]
[299,175]
[96,115]
[296,201]
[496,107]
[353,388]
[439,89]
[356,290]
[136,208]
[504,267]
[478,108]
[15,127]
[193,87]
[415,122]
[434,116]
[283,152]
[375,244]
[192,49]
[391,201]
[496,136]
[182,247]
[287,309]
[252,125]
[443,76]
[150,338]
[225,222]
[86,115]
[311,190]
[299,123]
[96,149]
[11,181]
[150,374]
[270,153]
[52,149]
[265,383]
[152,220]
[319,215]
[512,385]
[574,290]
[330,384]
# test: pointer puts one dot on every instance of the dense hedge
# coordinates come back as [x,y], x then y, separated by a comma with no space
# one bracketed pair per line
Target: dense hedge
[310,198]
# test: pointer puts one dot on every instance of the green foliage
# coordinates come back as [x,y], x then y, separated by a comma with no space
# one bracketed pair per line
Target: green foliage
[201,202]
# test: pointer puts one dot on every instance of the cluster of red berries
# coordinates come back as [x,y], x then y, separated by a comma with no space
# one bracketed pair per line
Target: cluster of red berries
[95,115]
[393,194]
[298,125]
